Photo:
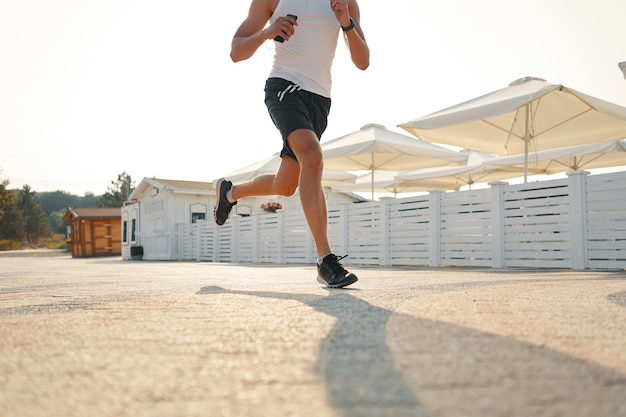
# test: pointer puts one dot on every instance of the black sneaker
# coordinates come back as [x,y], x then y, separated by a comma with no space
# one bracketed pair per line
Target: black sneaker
[332,274]
[223,206]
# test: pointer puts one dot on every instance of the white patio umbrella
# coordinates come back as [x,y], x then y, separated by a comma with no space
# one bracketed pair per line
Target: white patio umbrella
[570,158]
[425,179]
[529,114]
[270,164]
[452,178]
[384,182]
[374,148]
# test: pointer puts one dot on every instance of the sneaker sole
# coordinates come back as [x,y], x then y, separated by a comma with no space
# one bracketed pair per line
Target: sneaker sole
[350,281]
[218,192]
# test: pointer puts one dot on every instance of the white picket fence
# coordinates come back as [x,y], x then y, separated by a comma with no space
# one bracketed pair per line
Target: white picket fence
[578,222]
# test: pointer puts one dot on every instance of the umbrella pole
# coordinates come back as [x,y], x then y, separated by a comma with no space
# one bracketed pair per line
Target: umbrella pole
[526,140]
[372,169]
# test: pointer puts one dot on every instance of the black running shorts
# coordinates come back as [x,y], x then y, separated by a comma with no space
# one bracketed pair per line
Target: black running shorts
[292,108]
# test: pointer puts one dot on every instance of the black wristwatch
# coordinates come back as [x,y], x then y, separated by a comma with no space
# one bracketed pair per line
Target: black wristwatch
[349,27]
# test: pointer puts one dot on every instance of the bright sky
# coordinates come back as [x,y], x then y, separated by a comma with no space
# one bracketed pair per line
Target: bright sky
[91,88]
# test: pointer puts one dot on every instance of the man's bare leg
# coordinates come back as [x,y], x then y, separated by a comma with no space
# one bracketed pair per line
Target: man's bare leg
[308,150]
[284,182]
[307,174]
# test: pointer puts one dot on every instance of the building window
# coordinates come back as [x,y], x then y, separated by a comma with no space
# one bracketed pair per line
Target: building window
[125,231]
[133,228]
[198,212]
[196,217]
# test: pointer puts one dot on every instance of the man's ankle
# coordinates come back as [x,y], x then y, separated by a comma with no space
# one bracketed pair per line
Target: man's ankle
[229,196]
[321,258]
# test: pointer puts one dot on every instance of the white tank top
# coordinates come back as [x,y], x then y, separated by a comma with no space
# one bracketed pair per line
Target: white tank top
[307,57]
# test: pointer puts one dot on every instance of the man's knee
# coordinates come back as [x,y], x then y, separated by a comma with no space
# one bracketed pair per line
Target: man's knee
[307,148]
[313,159]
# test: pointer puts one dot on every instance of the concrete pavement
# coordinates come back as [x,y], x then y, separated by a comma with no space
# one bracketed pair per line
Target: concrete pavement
[104,337]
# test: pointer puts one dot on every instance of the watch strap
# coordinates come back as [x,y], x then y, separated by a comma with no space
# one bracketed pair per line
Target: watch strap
[349,27]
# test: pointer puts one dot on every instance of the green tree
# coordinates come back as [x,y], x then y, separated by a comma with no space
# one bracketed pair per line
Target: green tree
[5,197]
[56,203]
[118,192]
[35,221]
[11,218]
[51,201]
[57,200]
[56,222]
[87,201]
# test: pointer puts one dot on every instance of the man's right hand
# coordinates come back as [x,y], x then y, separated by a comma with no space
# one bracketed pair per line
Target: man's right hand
[283,28]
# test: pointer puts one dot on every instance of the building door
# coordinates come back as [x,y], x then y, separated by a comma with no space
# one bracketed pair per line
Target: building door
[102,237]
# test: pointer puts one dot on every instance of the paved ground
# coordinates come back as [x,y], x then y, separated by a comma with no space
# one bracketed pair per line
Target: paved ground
[104,337]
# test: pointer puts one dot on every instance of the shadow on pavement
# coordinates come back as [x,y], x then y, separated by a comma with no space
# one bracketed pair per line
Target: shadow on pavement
[455,370]
[358,370]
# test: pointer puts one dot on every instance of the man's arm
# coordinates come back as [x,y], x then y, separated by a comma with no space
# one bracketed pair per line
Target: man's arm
[359,50]
[252,32]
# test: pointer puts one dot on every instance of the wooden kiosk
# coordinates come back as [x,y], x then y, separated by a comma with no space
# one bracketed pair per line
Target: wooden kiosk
[95,231]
